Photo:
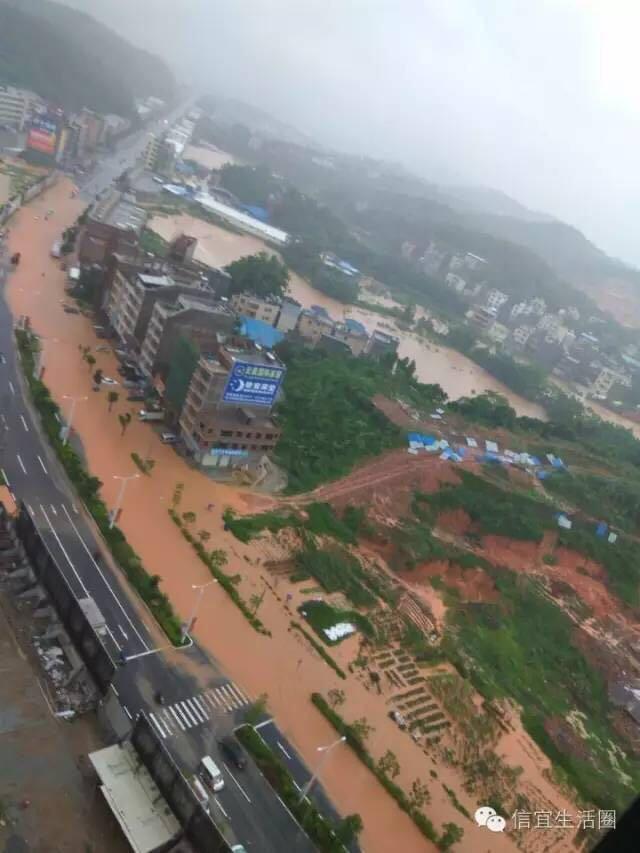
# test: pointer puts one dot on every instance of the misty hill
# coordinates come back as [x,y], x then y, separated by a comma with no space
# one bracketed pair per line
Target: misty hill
[488,200]
[73,61]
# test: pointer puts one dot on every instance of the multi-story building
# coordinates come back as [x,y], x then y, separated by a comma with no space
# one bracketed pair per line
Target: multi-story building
[313,323]
[114,225]
[455,282]
[434,259]
[353,334]
[288,316]
[605,380]
[16,106]
[482,316]
[197,316]
[496,299]
[380,343]
[223,433]
[248,305]
[468,261]
[521,335]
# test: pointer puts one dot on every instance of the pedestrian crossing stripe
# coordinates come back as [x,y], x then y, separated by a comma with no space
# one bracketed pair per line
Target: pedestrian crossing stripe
[186,714]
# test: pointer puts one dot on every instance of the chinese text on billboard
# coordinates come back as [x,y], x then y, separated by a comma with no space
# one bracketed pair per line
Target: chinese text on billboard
[253,384]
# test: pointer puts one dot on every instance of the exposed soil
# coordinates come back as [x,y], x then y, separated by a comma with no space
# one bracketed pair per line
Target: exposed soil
[474,584]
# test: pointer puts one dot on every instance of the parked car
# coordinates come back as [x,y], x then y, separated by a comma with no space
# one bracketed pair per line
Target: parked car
[168,438]
[232,752]
[144,415]
[107,380]
[397,718]
[69,309]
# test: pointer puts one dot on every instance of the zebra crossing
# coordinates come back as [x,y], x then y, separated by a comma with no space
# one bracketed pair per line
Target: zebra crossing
[197,710]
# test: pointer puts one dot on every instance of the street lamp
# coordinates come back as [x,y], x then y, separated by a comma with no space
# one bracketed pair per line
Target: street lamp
[44,342]
[120,498]
[72,410]
[325,750]
[191,621]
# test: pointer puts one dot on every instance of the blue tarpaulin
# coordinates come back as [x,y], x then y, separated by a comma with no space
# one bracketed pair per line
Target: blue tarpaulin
[543,475]
[261,333]
[601,529]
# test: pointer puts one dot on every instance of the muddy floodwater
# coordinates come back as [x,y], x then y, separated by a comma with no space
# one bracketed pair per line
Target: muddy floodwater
[458,376]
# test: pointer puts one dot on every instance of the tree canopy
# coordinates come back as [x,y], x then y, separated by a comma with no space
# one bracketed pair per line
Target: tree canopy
[262,274]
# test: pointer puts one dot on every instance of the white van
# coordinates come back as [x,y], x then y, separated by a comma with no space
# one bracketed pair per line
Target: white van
[211,773]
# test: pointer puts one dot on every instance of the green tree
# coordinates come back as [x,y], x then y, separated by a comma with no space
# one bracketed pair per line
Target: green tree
[177,495]
[189,517]
[256,710]
[218,558]
[419,794]
[125,420]
[256,600]
[90,359]
[112,397]
[261,274]
[97,377]
[204,536]
[451,834]
[349,828]
[389,764]
[336,697]
[362,728]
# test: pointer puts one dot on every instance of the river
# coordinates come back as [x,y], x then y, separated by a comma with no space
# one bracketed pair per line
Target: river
[456,374]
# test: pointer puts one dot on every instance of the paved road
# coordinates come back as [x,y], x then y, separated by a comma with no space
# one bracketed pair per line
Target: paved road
[194,714]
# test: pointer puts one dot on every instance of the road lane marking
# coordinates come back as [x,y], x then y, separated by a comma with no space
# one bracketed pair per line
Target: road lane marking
[115,642]
[30,509]
[5,478]
[42,465]
[24,423]
[284,750]
[106,582]
[63,549]
[219,804]
[127,712]
[242,790]
[75,509]
[11,388]
[122,631]
[53,509]
[21,463]
[114,689]
[158,725]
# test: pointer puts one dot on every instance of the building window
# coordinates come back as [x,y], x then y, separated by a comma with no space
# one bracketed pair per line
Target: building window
[250,435]
[265,447]
[254,446]
[226,433]
[238,434]
[258,435]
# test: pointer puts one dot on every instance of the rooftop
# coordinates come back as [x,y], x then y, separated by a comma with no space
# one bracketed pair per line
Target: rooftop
[242,220]
[134,798]
[118,212]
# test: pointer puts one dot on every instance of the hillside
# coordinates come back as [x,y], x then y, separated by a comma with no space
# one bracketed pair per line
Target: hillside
[70,59]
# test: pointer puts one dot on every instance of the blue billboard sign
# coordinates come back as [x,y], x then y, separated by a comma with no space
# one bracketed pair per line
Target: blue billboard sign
[253,384]
[225,451]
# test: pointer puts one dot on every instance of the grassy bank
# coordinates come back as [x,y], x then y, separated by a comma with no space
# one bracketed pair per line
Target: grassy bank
[88,488]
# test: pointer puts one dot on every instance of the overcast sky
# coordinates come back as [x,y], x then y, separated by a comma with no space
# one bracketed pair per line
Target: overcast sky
[538,99]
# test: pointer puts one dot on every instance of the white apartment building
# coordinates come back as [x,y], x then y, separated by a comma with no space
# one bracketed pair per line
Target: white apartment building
[606,379]
[249,305]
[455,282]
[521,335]
[16,106]
[125,299]
[496,299]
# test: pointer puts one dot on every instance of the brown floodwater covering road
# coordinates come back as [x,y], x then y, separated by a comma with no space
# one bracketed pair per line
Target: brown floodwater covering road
[458,375]
[282,666]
